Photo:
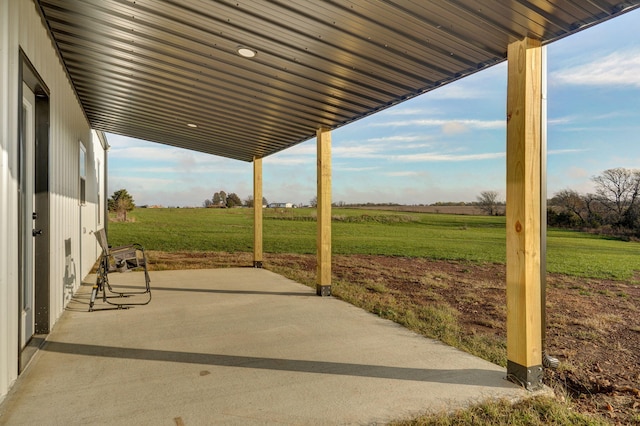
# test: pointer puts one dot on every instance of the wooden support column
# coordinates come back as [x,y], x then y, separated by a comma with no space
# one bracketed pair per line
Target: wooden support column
[323,286]
[257,212]
[524,331]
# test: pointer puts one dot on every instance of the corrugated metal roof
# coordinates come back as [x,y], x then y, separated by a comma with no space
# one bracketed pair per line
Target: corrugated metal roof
[148,68]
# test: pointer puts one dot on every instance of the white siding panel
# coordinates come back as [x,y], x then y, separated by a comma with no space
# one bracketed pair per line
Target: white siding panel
[68,127]
[71,224]
[8,196]
[93,211]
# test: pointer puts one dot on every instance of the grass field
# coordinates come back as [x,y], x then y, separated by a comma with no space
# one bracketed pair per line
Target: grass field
[434,236]
[424,294]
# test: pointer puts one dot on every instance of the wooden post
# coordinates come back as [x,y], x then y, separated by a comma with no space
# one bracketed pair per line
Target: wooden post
[524,331]
[257,212]
[323,286]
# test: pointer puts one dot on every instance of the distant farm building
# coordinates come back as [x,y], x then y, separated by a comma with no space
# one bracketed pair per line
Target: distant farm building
[280,205]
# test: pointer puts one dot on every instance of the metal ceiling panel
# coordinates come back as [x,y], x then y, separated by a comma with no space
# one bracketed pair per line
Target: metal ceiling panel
[148,68]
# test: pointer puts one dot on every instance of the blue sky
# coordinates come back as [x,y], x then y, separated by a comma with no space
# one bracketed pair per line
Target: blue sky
[446,145]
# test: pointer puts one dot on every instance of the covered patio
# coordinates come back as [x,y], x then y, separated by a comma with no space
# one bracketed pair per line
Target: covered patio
[245,80]
[241,346]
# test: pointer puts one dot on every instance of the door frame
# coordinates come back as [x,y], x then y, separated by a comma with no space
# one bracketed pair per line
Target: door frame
[26,209]
[28,75]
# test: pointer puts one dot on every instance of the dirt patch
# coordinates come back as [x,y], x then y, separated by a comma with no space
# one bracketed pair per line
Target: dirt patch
[593,326]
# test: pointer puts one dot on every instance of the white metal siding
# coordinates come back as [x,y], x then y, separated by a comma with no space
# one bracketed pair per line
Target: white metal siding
[21,26]
[68,127]
[8,201]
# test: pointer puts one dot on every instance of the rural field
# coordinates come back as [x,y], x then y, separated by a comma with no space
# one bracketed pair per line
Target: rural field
[443,275]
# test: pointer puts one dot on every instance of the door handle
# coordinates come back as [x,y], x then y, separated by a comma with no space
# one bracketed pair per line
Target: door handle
[36,232]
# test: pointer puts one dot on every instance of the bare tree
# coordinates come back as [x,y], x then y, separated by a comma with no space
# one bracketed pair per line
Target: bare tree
[572,202]
[488,202]
[618,190]
[596,211]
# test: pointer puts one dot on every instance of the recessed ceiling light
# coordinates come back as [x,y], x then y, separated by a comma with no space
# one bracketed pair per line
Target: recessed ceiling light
[246,52]
[192,125]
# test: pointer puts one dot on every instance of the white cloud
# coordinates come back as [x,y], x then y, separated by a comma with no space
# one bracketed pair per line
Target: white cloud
[383,152]
[455,128]
[401,110]
[473,124]
[399,138]
[434,157]
[305,148]
[354,169]
[404,173]
[565,151]
[616,69]
[357,151]
[578,173]
[286,160]
[158,153]
[115,170]
[457,91]
[560,120]
[140,182]
[303,153]
[124,141]
[417,145]
[354,151]
[613,114]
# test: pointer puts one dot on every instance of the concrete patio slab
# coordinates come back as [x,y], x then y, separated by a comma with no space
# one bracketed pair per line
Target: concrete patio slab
[240,346]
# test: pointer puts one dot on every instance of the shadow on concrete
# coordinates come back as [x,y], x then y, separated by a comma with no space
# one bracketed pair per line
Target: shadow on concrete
[221,291]
[459,376]
[216,347]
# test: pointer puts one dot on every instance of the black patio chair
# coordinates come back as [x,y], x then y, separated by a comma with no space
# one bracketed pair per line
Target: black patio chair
[119,259]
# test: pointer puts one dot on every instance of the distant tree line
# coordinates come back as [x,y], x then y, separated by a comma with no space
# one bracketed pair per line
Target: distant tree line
[223,200]
[614,208]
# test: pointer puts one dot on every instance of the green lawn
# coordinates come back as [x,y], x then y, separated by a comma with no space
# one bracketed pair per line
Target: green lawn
[440,236]
[437,236]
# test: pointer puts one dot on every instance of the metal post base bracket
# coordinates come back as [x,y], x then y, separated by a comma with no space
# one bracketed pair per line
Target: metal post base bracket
[323,290]
[529,378]
[257,264]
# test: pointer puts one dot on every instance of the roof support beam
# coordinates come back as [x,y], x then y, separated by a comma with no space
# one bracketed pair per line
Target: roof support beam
[524,141]
[323,286]
[257,212]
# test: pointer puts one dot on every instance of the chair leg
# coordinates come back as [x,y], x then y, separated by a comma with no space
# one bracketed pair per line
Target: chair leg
[94,293]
